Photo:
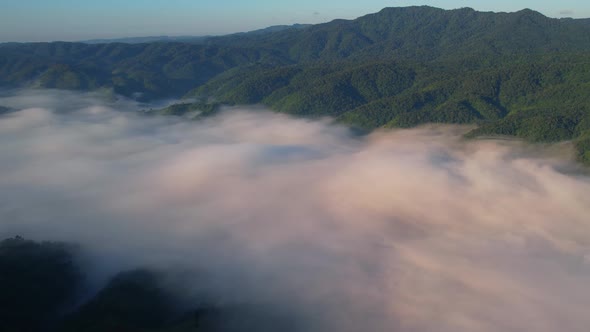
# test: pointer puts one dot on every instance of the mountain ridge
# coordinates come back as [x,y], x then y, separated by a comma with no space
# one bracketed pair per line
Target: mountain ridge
[521,74]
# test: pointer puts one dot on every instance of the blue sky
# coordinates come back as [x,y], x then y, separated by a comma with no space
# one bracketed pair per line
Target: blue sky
[43,20]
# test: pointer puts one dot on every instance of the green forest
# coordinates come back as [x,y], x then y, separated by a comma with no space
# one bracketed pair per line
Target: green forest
[517,74]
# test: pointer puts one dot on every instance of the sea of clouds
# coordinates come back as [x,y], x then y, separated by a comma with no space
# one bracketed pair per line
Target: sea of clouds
[404,230]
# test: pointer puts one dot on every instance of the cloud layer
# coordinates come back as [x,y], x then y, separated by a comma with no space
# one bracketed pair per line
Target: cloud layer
[408,230]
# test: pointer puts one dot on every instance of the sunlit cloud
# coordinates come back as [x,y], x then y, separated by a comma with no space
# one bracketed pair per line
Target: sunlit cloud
[404,230]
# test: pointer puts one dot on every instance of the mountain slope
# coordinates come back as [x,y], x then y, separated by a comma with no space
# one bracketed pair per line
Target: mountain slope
[519,74]
[419,34]
[426,33]
[154,70]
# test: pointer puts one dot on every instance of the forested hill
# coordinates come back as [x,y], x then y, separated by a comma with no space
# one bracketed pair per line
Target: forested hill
[415,34]
[425,34]
[519,73]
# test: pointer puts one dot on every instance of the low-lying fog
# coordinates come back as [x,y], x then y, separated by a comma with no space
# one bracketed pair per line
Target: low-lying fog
[407,230]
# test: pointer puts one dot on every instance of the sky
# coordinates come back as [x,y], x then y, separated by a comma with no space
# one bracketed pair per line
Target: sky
[43,20]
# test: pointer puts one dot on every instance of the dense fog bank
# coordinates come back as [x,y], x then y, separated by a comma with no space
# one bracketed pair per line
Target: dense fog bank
[405,230]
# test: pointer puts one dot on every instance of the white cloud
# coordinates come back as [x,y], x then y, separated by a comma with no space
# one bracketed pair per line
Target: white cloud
[409,230]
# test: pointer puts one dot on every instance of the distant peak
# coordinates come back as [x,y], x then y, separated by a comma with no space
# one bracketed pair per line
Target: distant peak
[529,11]
[409,8]
[465,9]
[425,8]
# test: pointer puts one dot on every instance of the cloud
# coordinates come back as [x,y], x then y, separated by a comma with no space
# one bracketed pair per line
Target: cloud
[407,230]
[566,12]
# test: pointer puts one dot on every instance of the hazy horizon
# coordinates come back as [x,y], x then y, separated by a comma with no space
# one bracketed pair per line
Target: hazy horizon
[66,20]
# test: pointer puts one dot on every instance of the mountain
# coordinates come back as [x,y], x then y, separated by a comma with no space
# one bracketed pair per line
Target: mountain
[189,39]
[147,39]
[38,280]
[273,28]
[42,284]
[520,74]
[153,70]
[426,33]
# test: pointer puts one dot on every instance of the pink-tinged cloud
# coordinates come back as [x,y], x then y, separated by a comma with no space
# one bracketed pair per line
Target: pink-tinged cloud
[403,230]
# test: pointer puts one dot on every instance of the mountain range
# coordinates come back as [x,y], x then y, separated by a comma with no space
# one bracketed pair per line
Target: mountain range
[517,74]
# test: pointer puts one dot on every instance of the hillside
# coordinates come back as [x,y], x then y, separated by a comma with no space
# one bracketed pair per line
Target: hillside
[520,74]
[426,34]
[42,284]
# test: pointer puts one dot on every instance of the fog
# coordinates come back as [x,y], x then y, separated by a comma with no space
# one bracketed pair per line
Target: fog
[404,230]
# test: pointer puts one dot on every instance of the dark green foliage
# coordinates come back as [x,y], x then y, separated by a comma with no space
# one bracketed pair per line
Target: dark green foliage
[131,301]
[449,112]
[310,90]
[37,282]
[252,84]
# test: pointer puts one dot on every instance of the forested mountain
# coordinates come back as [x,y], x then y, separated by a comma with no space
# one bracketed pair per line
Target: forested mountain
[45,286]
[520,74]
[189,39]
[154,70]
[147,39]
[43,283]
[426,33]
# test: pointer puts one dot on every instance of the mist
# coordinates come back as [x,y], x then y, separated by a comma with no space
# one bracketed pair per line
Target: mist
[400,230]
